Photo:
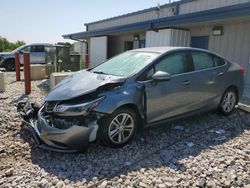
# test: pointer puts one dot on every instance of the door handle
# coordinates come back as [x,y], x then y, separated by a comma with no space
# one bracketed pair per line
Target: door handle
[220,73]
[186,82]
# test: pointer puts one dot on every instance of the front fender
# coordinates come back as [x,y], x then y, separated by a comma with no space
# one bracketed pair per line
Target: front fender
[126,95]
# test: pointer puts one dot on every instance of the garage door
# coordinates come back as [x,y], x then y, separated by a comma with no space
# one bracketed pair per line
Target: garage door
[98,50]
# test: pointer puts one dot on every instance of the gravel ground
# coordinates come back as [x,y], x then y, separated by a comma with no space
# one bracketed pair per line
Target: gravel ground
[203,151]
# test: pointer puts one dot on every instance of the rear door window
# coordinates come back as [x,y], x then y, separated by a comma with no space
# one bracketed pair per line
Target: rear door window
[38,48]
[202,60]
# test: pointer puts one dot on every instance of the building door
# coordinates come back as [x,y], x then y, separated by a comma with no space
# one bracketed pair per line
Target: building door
[142,43]
[200,42]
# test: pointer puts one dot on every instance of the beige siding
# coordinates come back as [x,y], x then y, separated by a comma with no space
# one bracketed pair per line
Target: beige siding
[130,19]
[200,5]
[180,38]
[167,37]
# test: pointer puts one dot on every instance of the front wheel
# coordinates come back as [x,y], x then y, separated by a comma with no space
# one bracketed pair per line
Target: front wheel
[228,102]
[118,129]
[9,65]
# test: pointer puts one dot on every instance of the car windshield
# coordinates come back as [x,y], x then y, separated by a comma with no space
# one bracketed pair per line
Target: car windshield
[126,64]
[19,48]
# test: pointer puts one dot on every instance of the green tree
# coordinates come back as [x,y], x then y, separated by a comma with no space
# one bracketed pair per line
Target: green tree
[7,46]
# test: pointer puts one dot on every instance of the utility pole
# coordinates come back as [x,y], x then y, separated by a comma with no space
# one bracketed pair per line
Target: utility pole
[158,10]
[1,38]
[2,42]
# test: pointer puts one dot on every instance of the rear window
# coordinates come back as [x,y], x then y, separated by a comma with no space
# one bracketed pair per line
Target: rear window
[218,61]
[202,60]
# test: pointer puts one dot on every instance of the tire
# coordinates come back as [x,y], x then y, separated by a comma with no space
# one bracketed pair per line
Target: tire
[228,102]
[9,65]
[119,128]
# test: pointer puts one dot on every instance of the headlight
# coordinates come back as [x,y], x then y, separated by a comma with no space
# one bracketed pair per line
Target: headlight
[77,109]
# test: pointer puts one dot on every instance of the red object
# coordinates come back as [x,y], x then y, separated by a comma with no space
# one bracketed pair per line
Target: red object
[242,69]
[86,61]
[17,66]
[27,82]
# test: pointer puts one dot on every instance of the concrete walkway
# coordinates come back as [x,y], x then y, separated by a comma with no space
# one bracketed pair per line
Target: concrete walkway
[246,95]
[244,103]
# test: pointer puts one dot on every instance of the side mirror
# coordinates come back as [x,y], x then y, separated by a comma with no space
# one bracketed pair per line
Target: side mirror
[161,76]
[20,52]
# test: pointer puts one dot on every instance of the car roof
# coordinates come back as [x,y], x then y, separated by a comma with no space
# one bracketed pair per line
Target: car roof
[44,44]
[163,50]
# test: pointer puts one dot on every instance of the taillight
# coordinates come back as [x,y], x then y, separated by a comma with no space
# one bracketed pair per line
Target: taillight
[242,69]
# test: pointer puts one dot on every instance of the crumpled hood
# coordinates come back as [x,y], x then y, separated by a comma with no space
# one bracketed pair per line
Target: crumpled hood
[80,83]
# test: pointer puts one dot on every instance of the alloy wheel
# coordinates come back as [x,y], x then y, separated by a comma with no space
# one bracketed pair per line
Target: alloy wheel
[229,102]
[121,128]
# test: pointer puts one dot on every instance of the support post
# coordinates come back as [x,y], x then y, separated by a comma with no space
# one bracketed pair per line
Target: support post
[17,66]
[27,82]
[81,65]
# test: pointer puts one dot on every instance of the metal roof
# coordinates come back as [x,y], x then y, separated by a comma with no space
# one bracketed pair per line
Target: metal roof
[167,22]
[141,11]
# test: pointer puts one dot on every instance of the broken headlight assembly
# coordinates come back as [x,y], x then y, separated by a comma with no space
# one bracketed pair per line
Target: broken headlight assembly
[64,109]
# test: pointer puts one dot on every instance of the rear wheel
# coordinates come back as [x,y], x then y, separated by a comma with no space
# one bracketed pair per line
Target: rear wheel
[118,129]
[228,102]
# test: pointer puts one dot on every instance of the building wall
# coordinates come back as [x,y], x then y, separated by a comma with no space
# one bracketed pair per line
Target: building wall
[130,19]
[167,37]
[98,50]
[116,44]
[201,5]
[193,6]
[234,44]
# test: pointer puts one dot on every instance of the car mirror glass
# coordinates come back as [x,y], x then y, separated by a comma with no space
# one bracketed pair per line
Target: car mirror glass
[161,76]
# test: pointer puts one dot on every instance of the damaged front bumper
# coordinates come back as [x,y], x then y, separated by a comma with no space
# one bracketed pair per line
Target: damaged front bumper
[73,138]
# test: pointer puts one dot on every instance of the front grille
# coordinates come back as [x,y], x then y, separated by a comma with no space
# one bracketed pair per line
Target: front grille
[61,123]
[49,106]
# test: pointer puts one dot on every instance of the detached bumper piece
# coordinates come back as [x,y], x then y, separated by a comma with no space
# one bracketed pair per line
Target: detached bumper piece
[41,144]
[56,134]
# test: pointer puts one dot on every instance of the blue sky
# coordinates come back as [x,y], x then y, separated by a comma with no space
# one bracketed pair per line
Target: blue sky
[46,20]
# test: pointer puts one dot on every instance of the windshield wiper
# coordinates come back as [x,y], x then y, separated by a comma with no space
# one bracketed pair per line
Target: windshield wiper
[99,72]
